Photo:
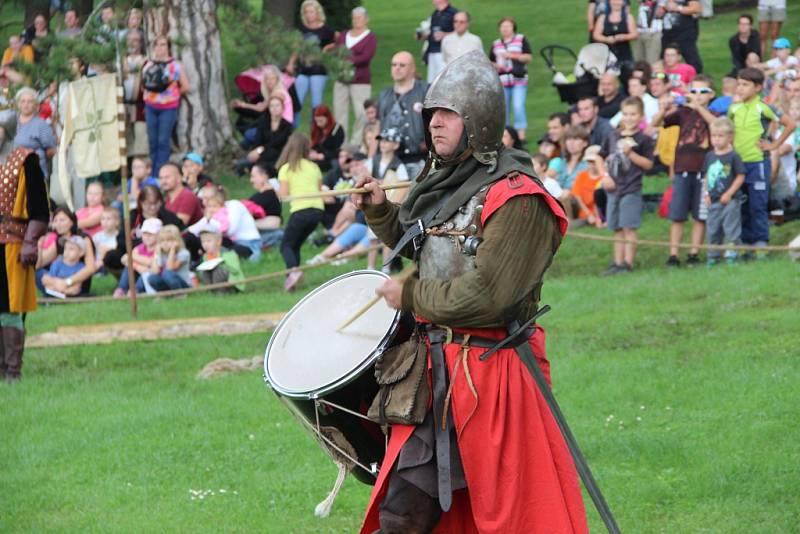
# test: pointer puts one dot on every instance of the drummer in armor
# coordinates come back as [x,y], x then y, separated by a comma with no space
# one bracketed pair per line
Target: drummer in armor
[488,455]
[24,214]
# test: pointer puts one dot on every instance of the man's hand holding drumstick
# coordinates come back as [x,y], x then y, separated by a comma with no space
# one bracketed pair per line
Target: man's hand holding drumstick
[392,289]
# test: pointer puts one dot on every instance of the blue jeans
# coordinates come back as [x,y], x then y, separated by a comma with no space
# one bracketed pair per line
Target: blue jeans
[317,85]
[160,123]
[255,248]
[270,238]
[515,99]
[166,281]
[755,210]
[123,281]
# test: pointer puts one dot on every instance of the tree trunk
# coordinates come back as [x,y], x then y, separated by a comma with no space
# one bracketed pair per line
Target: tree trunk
[192,26]
[285,9]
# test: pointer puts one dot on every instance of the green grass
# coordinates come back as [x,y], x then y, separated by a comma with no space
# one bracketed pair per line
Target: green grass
[697,367]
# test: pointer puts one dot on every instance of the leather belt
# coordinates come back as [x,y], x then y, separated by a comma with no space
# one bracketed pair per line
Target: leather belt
[437,337]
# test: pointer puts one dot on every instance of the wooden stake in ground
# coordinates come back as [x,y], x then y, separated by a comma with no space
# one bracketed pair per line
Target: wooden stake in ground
[123,171]
[405,273]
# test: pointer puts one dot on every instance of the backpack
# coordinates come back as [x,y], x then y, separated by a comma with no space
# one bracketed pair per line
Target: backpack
[156,78]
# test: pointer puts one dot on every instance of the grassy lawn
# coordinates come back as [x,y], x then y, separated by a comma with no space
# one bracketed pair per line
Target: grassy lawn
[679,384]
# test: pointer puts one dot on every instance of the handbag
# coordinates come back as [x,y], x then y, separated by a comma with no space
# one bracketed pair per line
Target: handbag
[404,394]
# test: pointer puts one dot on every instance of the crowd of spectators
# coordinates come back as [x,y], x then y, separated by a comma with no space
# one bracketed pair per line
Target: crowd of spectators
[730,146]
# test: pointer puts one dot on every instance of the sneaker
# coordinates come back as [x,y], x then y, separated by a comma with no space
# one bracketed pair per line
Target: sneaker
[292,280]
[612,270]
[710,262]
[322,241]
[625,269]
[316,260]
[119,293]
[673,261]
[692,260]
[339,262]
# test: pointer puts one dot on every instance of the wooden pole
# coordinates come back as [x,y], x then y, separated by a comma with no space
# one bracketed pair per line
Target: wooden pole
[400,277]
[340,192]
[126,213]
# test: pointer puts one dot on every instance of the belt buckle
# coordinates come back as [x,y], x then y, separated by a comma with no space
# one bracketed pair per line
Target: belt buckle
[417,240]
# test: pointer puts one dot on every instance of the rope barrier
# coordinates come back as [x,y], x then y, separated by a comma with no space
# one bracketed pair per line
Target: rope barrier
[209,287]
[666,244]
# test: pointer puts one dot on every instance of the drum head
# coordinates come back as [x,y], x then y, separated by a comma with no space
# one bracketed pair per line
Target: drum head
[307,357]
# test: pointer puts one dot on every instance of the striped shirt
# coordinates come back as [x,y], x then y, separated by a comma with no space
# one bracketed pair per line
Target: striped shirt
[500,49]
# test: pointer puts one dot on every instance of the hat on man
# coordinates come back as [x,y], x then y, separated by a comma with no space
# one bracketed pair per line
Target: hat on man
[360,156]
[390,134]
[780,43]
[77,241]
[591,153]
[194,157]
[152,226]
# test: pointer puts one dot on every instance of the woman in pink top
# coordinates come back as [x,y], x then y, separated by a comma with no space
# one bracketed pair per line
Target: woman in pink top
[164,80]
[89,216]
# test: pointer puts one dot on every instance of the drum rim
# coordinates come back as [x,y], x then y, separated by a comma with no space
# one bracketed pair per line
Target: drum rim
[355,372]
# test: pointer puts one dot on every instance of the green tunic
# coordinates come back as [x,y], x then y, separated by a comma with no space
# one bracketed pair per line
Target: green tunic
[519,242]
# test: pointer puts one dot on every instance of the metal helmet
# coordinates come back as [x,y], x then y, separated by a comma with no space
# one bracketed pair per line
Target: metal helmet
[470,86]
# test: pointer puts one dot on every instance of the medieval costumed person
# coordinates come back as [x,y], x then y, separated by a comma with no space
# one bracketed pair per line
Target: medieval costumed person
[485,453]
[24,215]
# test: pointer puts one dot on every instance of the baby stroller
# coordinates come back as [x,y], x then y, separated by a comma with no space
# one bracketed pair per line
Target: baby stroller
[591,63]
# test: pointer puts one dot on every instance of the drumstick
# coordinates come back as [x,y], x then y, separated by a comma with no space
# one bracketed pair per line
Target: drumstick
[405,273]
[340,192]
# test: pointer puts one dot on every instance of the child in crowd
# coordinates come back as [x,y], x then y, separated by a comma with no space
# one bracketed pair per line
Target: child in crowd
[540,162]
[218,265]
[625,155]
[385,165]
[751,120]
[369,141]
[584,190]
[692,118]
[89,216]
[192,170]
[785,158]
[575,142]
[106,238]
[680,75]
[169,266]
[269,226]
[235,221]
[784,64]
[142,257]
[719,106]
[66,266]
[723,173]
[141,168]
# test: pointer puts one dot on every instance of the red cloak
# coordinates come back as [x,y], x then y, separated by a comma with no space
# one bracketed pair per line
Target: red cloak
[520,475]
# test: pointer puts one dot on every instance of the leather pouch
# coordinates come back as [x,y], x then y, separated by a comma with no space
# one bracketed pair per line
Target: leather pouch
[404,391]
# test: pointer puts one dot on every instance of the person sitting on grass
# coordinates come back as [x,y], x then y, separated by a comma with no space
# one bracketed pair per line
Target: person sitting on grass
[106,238]
[269,226]
[141,167]
[723,174]
[234,221]
[65,225]
[66,266]
[219,265]
[89,216]
[192,168]
[692,118]
[625,155]
[142,257]
[169,266]
[540,162]
[584,188]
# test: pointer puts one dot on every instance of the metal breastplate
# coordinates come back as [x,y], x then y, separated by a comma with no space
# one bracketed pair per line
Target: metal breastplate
[449,249]
[12,229]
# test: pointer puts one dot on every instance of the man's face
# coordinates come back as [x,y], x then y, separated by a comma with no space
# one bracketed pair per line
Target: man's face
[106,14]
[70,19]
[345,158]
[636,87]
[587,111]
[446,129]
[658,85]
[555,130]
[168,178]
[461,23]
[607,86]
[402,67]
[744,25]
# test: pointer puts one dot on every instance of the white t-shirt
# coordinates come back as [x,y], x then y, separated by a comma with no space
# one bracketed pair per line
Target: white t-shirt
[776,4]
[775,63]
[102,239]
[241,225]
[454,45]
[789,161]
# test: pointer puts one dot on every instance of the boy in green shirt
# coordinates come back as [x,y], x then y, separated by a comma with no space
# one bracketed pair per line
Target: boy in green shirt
[751,119]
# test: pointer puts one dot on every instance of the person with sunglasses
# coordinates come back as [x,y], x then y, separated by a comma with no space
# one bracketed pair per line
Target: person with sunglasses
[691,115]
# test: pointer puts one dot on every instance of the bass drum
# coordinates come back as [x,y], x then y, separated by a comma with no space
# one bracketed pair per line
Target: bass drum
[326,378]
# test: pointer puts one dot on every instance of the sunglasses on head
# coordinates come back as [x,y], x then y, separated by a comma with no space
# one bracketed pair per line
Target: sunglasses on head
[659,75]
[700,90]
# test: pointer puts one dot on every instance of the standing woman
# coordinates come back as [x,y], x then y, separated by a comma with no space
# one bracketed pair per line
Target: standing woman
[297,175]
[617,29]
[35,33]
[310,74]
[33,131]
[361,43]
[164,80]
[132,87]
[511,54]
